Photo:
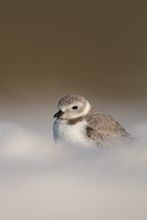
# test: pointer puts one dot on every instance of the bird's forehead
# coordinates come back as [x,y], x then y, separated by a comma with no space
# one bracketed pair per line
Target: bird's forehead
[70,99]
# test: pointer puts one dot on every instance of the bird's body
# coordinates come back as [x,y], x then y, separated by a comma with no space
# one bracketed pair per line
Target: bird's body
[74,134]
[79,123]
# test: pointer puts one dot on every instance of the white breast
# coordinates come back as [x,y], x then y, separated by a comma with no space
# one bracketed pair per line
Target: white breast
[72,134]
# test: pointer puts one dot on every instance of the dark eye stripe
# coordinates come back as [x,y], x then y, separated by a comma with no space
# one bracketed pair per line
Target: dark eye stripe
[75,107]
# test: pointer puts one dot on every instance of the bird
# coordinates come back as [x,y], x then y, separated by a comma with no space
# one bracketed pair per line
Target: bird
[78,123]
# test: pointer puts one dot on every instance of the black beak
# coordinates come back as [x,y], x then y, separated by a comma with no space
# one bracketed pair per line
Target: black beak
[58,114]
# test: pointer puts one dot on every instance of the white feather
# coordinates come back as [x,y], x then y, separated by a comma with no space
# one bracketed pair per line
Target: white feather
[73,134]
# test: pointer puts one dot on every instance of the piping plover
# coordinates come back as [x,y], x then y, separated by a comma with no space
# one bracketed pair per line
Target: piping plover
[79,123]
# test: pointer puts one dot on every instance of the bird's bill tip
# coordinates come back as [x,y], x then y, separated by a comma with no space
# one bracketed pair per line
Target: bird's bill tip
[58,114]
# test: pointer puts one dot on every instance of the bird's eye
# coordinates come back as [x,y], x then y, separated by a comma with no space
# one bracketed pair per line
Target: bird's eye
[75,107]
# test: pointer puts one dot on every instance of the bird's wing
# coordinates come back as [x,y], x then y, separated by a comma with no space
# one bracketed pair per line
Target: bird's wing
[103,128]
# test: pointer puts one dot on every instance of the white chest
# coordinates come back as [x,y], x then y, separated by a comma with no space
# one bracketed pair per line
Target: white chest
[73,134]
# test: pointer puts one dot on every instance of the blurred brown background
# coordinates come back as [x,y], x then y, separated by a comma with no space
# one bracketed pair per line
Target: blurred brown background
[49,48]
